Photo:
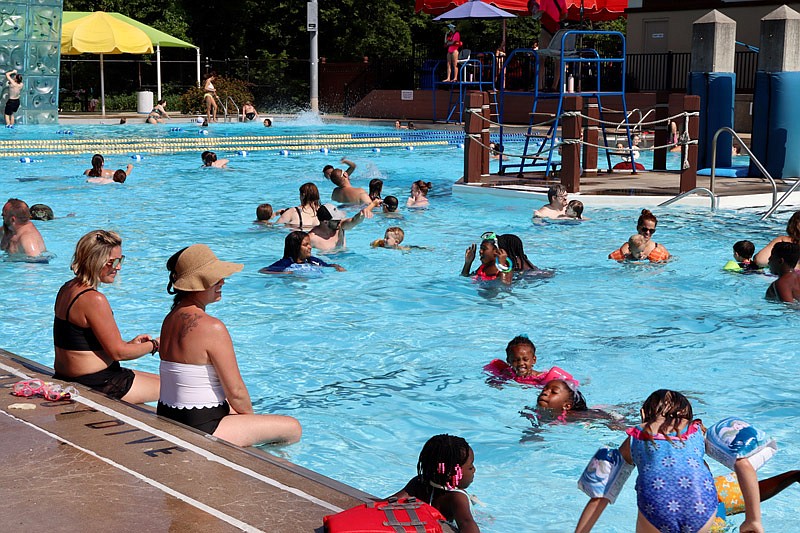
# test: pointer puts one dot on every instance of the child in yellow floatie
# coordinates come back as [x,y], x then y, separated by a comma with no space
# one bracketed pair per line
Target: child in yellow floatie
[742,258]
[730,497]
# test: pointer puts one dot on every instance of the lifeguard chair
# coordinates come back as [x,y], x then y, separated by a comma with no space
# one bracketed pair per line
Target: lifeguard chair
[571,59]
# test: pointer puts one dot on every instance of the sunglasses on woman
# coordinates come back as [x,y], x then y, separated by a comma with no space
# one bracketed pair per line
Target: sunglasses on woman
[116,262]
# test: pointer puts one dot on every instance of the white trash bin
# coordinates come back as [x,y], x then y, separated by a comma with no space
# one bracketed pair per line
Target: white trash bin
[144,102]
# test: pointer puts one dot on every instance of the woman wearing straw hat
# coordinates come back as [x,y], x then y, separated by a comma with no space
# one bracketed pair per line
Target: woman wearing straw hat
[87,341]
[200,381]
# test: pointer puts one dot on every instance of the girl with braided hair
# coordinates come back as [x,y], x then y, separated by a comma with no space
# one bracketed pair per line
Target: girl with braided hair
[445,469]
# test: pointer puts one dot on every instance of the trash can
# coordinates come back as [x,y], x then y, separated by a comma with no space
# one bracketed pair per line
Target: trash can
[144,102]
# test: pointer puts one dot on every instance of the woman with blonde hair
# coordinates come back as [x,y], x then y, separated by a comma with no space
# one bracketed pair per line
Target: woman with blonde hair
[200,381]
[304,216]
[88,344]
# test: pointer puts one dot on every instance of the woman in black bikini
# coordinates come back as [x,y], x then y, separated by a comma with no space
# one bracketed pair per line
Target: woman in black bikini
[88,345]
[249,112]
[304,216]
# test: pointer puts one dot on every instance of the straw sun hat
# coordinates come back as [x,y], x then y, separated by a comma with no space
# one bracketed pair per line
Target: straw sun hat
[196,268]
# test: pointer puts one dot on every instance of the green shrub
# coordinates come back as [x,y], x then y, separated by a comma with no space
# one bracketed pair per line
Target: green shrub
[120,102]
[192,100]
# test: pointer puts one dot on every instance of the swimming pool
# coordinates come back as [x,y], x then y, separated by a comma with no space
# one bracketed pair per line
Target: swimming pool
[375,360]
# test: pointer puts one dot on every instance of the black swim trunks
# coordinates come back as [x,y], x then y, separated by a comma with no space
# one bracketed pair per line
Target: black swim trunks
[114,381]
[12,106]
[203,418]
[250,116]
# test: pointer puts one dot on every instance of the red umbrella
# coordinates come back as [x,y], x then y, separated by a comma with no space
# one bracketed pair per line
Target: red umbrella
[596,10]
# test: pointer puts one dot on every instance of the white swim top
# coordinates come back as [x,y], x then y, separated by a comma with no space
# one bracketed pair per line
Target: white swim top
[189,386]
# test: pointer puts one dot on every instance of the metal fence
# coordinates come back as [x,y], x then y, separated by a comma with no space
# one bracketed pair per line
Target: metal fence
[670,71]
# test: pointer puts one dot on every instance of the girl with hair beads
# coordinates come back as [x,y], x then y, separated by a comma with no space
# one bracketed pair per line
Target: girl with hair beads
[445,469]
[675,489]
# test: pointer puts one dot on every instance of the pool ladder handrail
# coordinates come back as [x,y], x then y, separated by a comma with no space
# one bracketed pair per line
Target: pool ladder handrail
[714,200]
[224,105]
[753,158]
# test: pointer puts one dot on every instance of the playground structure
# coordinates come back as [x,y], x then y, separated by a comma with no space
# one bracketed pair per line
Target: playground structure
[699,124]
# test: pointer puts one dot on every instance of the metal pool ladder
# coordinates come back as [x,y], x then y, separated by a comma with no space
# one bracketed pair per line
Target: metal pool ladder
[710,190]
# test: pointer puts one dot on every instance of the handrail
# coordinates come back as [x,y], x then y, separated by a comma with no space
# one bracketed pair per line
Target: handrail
[628,121]
[238,111]
[682,195]
[752,159]
[780,201]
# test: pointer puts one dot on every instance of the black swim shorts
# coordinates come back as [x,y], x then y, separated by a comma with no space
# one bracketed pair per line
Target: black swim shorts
[12,106]
[203,418]
[114,381]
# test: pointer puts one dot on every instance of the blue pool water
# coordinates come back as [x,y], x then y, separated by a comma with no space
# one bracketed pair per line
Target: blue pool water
[375,360]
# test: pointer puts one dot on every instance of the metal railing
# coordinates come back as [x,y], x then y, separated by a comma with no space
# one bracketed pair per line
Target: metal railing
[225,107]
[753,159]
[714,200]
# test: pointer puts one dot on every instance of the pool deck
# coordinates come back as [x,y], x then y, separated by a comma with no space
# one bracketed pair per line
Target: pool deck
[98,464]
[625,189]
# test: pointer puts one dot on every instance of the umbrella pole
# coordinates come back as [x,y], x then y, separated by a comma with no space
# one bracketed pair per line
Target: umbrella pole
[102,87]
[503,43]
[158,70]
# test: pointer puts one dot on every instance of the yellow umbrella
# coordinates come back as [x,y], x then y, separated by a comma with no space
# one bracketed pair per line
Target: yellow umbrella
[100,33]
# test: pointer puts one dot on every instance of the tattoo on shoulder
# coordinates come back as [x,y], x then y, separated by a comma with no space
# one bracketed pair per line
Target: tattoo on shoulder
[188,323]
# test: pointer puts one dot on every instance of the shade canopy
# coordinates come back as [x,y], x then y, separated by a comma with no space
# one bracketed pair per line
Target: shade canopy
[100,33]
[552,12]
[475,9]
[156,37]
[113,33]
[437,7]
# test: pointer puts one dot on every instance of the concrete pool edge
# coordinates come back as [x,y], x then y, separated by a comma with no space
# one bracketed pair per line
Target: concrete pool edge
[194,477]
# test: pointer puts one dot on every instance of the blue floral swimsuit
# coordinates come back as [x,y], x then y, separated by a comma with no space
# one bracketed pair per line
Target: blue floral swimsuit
[675,489]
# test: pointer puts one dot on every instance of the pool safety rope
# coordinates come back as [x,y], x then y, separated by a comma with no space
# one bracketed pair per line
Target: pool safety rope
[137,151]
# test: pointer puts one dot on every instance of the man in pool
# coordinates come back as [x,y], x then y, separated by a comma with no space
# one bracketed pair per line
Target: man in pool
[333,222]
[327,169]
[20,236]
[345,193]
[557,196]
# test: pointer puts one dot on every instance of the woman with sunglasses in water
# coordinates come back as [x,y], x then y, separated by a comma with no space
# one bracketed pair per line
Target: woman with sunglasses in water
[88,344]
[652,251]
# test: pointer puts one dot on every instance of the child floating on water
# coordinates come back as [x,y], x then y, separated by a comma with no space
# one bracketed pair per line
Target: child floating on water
[520,359]
[391,239]
[559,397]
[264,214]
[743,252]
[444,471]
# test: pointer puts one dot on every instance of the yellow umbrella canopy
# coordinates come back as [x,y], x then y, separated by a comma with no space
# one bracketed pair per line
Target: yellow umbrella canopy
[100,33]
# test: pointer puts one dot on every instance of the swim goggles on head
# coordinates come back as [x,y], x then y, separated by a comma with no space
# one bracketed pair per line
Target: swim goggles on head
[490,236]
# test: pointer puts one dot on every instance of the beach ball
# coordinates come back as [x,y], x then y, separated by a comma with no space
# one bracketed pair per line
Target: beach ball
[25,160]
[376,150]
[284,152]
[324,150]
[410,148]
[242,153]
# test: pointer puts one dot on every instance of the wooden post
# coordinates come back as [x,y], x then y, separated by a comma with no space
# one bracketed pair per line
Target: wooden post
[592,137]
[662,131]
[486,113]
[691,104]
[473,151]
[571,152]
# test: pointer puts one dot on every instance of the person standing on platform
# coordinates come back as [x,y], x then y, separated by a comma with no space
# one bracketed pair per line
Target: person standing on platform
[452,41]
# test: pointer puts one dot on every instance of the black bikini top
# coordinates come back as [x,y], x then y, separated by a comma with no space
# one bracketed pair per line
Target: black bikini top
[68,336]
